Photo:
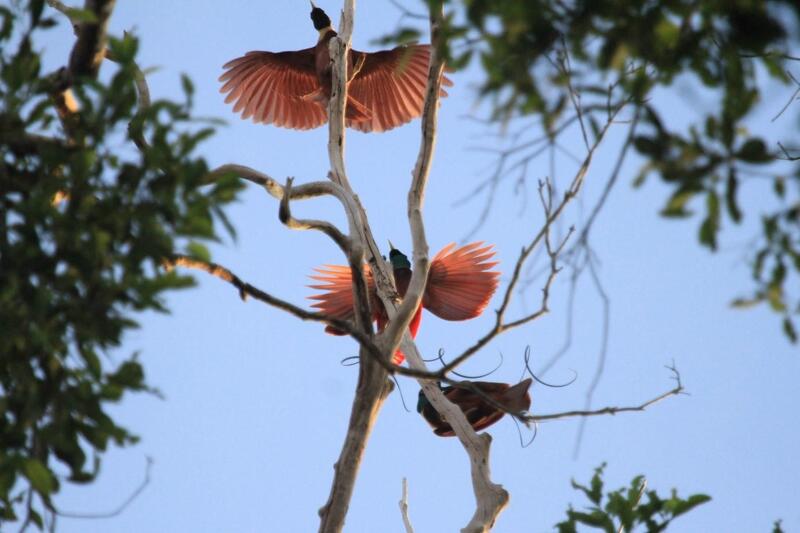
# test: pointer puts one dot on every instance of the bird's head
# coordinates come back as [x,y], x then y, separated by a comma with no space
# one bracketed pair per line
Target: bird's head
[320,19]
[397,258]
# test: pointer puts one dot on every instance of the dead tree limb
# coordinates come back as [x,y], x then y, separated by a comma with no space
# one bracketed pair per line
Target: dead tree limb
[403,503]
[373,386]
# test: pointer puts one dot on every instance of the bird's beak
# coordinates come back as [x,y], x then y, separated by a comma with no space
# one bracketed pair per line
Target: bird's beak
[313,5]
[391,246]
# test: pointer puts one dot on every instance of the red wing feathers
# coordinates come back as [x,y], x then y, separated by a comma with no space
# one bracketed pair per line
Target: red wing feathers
[337,297]
[391,83]
[269,87]
[460,282]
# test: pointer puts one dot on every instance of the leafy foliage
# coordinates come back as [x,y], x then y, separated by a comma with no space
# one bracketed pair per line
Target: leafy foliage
[627,508]
[86,221]
[544,59]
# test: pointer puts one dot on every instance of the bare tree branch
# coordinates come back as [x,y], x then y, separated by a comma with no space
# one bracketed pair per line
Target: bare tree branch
[84,60]
[678,389]
[528,418]
[403,503]
[285,216]
[416,193]
[551,215]
[306,191]
[87,54]
[248,290]
[491,498]
[373,386]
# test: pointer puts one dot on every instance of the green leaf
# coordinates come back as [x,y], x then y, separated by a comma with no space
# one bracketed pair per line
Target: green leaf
[41,478]
[707,234]
[123,50]
[81,15]
[677,506]
[789,329]
[188,86]
[596,518]
[746,303]
[775,298]
[198,251]
[130,374]
[676,206]
[648,146]
[36,8]
[710,226]
[666,33]
[779,186]
[730,196]
[35,517]
[754,151]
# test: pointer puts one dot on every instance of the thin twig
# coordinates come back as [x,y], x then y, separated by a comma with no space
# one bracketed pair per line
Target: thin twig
[403,503]
[601,360]
[574,96]
[791,99]
[678,389]
[121,507]
[247,290]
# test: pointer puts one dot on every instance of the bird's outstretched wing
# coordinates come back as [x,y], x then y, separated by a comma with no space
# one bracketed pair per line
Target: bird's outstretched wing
[270,88]
[391,84]
[336,299]
[460,282]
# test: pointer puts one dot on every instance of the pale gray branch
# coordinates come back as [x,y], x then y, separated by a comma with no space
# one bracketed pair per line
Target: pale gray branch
[416,192]
[403,503]
[285,216]
[373,385]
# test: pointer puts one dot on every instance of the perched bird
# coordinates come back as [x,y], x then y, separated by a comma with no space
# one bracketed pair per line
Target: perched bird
[480,413]
[291,89]
[460,285]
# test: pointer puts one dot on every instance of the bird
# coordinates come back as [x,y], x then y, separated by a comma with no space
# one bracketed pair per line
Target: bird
[479,412]
[459,286]
[291,89]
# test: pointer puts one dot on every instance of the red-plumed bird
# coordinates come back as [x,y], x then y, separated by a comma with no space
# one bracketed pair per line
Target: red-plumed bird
[291,89]
[460,285]
[479,412]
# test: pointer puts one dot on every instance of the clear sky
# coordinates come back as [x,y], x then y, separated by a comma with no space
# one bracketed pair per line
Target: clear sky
[256,402]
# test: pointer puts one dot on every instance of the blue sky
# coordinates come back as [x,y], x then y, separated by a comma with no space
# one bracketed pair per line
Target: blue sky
[256,402]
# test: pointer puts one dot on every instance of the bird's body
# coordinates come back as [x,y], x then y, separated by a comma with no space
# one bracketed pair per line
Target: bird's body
[459,287]
[402,278]
[292,89]
[479,412]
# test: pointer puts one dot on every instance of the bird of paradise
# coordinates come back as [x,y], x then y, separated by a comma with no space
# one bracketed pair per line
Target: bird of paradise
[460,285]
[291,89]
[479,412]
